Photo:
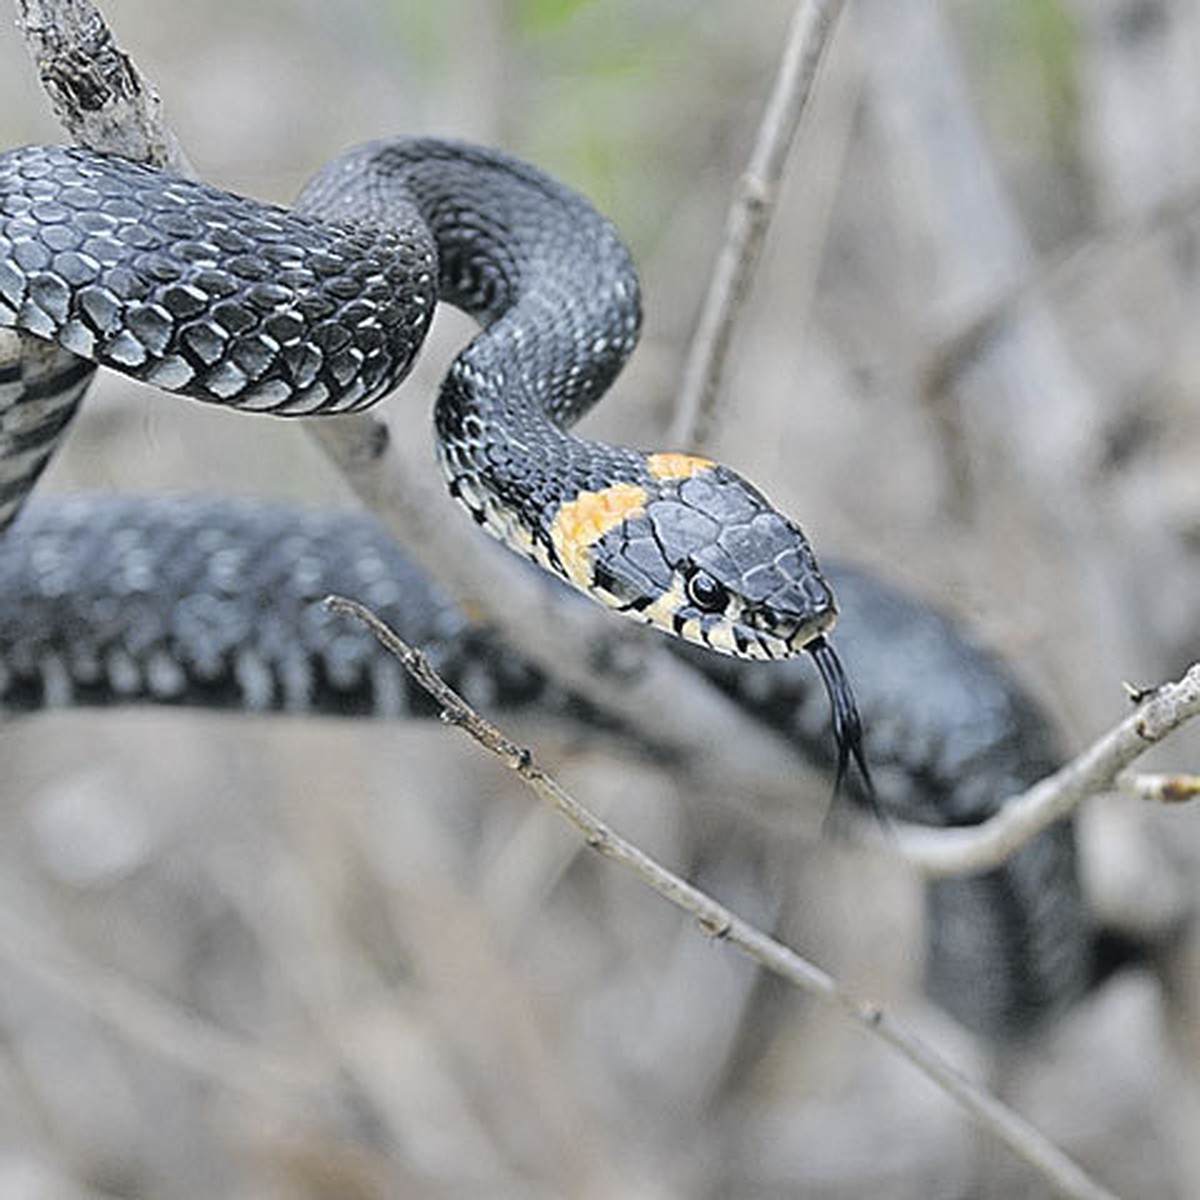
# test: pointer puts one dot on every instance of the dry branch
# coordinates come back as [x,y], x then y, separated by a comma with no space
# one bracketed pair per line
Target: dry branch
[809,34]
[722,923]
[1098,769]
[96,91]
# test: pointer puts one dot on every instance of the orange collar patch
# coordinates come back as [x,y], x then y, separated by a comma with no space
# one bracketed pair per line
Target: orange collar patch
[671,464]
[581,523]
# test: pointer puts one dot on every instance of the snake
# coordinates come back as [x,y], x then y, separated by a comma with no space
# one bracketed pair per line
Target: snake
[210,602]
[321,309]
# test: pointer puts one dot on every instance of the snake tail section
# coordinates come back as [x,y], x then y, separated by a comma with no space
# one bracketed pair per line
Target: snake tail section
[193,601]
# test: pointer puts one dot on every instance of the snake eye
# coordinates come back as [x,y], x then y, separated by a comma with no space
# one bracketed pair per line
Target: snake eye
[706,593]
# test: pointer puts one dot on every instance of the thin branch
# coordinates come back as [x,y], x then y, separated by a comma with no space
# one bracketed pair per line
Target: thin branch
[721,923]
[750,214]
[1098,769]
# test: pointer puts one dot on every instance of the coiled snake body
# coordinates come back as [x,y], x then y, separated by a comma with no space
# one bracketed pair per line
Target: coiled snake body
[322,310]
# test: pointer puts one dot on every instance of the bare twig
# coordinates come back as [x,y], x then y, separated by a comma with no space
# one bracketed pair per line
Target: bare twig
[810,32]
[98,94]
[721,923]
[1098,769]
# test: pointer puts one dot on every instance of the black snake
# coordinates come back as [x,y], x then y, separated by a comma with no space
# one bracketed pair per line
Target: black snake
[322,309]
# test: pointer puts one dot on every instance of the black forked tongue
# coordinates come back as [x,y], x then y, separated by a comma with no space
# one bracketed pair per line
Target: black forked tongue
[847,725]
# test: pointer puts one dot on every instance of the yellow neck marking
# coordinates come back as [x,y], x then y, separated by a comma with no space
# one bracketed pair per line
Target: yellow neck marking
[581,523]
[670,464]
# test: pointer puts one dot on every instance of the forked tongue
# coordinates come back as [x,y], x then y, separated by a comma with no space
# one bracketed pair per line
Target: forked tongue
[847,725]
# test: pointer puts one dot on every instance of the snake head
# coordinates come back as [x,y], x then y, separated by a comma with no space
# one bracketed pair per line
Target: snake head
[699,552]
[695,550]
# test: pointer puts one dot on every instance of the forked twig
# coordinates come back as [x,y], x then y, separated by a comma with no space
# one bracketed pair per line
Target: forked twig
[1098,769]
[749,215]
[723,924]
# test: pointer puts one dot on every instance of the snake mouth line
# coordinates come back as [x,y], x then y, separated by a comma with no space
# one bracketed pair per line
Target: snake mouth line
[810,637]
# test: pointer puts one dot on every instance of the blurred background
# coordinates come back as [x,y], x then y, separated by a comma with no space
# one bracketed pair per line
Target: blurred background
[261,958]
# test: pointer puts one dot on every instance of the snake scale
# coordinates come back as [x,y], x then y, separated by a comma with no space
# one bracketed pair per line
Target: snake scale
[322,309]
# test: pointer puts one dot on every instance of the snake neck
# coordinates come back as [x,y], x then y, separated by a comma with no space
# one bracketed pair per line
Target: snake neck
[545,274]
[512,467]
[558,325]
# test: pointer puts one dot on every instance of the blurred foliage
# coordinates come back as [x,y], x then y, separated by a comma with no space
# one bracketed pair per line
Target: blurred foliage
[539,16]
[1053,44]
[1025,62]
[624,98]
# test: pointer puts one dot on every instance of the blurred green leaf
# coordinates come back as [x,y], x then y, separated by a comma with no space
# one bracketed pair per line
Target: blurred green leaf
[539,16]
[1053,41]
